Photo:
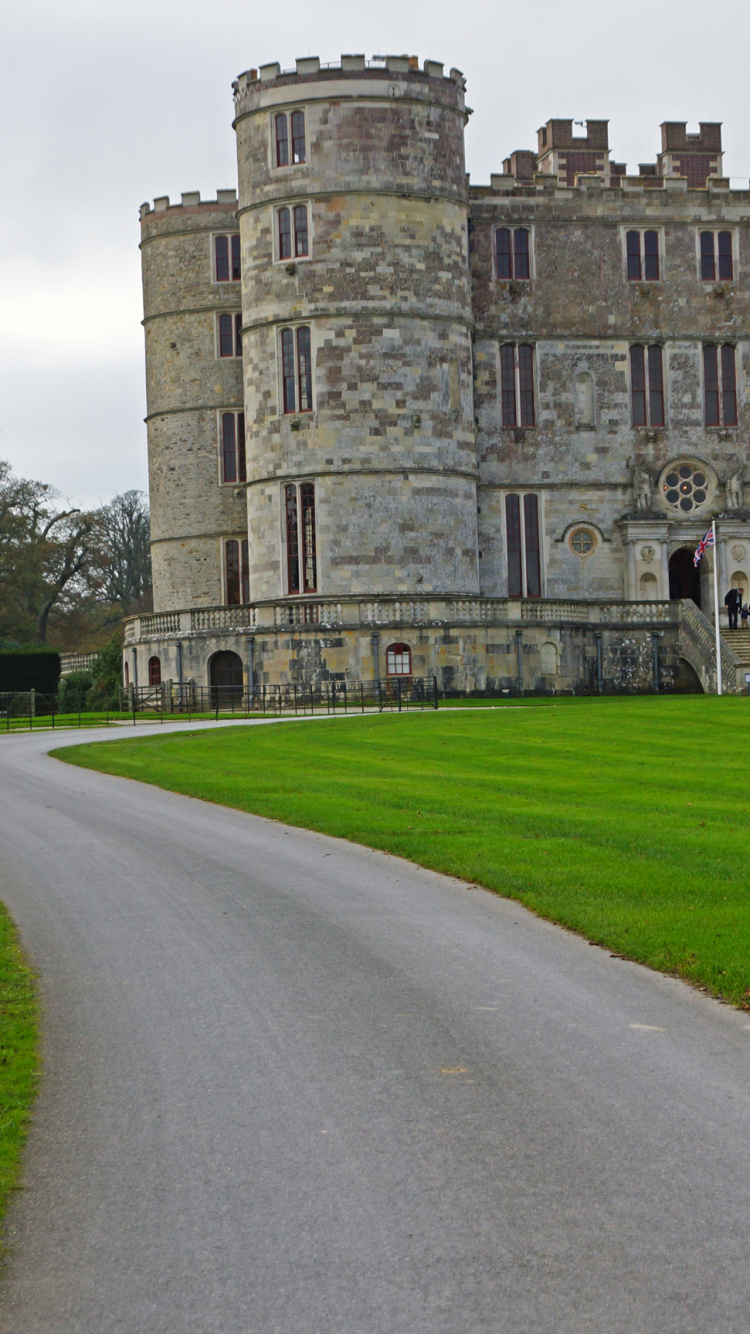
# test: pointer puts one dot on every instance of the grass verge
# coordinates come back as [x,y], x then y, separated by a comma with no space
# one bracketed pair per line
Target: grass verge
[627,820]
[19,1059]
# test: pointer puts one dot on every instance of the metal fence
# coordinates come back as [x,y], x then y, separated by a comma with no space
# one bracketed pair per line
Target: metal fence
[77,708]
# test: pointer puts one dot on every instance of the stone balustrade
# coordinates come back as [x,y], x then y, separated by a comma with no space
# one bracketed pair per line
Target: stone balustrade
[397,611]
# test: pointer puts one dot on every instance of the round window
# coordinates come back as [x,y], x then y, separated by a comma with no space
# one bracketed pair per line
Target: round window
[685,487]
[582,541]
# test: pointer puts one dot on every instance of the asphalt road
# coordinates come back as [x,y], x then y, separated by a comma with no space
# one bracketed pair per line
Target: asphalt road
[296,1087]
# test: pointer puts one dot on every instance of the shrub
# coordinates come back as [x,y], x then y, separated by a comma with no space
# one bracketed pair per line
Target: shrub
[73,694]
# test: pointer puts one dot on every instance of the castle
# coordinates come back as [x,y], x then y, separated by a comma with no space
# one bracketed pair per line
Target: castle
[403,425]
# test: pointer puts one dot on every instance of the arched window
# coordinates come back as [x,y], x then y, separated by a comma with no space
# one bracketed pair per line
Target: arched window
[285,242]
[282,140]
[296,369]
[154,671]
[301,555]
[127,673]
[398,660]
[236,567]
[548,659]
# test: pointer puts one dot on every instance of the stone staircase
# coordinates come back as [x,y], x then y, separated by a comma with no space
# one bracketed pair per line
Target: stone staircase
[739,642]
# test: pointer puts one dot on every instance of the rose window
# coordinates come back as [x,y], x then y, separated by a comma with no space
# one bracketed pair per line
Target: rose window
[685,487]
[582,541]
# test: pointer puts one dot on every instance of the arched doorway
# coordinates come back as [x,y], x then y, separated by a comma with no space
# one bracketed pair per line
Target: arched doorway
[225,670]
[684,577]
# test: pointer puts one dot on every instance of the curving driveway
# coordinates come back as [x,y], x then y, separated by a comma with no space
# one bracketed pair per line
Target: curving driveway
[296,1087]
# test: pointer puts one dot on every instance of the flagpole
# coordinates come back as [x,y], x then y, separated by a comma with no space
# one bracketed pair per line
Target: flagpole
[716,610]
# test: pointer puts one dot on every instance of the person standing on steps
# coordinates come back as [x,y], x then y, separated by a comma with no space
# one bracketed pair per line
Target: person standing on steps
[743,615]
[733,602]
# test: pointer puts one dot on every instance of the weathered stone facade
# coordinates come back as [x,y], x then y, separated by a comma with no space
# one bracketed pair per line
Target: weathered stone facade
[471,428]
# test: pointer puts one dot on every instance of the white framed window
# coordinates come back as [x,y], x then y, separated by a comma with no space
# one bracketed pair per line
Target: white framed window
[295,369]
[398,660]
[523,545]
[229,334]
[292,232]
[717,259]
[643,254]
[226,258]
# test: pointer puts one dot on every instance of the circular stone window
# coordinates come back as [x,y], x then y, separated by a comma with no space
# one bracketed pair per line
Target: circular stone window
[582,541]
[685,486]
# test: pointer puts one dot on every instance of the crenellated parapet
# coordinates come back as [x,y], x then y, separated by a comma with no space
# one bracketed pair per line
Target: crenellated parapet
[390,76]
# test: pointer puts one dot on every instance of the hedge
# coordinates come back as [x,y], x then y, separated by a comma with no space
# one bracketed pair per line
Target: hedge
[21,670]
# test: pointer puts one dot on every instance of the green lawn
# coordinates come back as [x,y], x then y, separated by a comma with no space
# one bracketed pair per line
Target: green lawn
[625,819]
[18,1053]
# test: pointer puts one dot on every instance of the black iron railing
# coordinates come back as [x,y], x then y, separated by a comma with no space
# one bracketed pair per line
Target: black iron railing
[78,707]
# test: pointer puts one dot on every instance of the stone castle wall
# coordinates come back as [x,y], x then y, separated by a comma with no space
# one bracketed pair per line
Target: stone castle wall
[188,385]
[389,443]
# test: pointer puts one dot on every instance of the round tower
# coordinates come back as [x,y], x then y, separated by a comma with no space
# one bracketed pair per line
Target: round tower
[192,305]
[357,330]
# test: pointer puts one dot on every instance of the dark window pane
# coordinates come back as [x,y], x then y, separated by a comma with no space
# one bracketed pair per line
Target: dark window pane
[154,671]
[725,256]
[711,385]
[300,229]
[282,142]
[226,336]
[287,370]
[241,465]
[526,384]
[508,383]
[245,573]
[232,555]
[651,256]
[221,251]
[633,245]
[655,387]
[513,538]
[504,261]
[638,386]
[309,562]
[298,136]
[531,534]
[728,386]
[238,335]
[236,271]
[708,267]
[228,448]
[521,252]
[285,233]
[292,539]
[304,369]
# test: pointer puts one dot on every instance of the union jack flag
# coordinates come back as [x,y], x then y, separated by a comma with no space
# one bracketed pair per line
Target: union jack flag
[703,545]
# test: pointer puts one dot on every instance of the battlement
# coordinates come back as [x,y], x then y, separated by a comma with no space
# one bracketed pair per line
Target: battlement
[675,138]
[567,158]
[311,67]
[615,187]
[225,199]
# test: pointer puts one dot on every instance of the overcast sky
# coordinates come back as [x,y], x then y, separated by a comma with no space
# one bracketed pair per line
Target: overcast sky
[109,104]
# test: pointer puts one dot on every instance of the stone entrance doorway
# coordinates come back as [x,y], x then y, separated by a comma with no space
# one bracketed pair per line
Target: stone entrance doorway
[225,671]
[684,578]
